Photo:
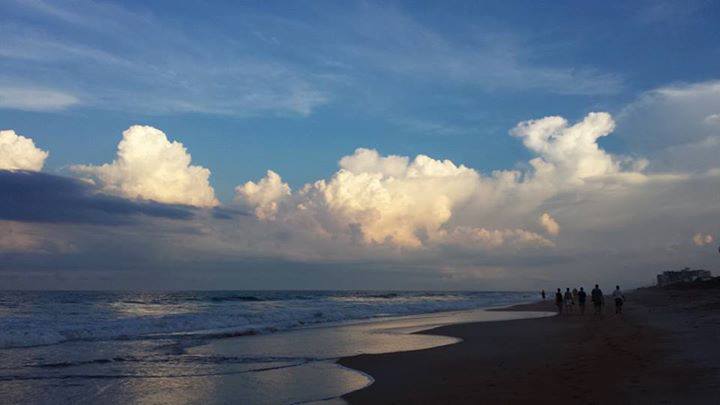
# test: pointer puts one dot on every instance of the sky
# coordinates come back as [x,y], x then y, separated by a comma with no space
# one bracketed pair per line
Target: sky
[357,145]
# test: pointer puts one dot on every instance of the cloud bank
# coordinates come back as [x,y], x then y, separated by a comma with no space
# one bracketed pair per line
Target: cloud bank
[20,153]
[372,198]
[150,167]
[573,211]
[423,202]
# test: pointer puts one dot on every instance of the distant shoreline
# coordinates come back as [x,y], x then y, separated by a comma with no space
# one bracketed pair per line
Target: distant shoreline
[663,349]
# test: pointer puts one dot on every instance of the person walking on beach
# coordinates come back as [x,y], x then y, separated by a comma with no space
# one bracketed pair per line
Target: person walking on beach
[568,299]
[542,294]
[575,295]
[581,300]
[619,299]
[597,298]
[559,301]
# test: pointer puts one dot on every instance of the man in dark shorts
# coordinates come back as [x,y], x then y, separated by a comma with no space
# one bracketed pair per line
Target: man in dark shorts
[559,301]
[597,298]
[582,296]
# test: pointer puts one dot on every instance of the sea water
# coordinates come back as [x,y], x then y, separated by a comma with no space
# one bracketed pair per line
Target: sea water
[214,346]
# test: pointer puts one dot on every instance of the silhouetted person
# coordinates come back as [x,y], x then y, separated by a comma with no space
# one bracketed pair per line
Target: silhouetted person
[568,298]
[597,298]
[559,301]
[542,294]
[619,299]
[582,296]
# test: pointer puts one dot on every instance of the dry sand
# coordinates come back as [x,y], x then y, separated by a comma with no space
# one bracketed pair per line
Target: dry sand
[665,349]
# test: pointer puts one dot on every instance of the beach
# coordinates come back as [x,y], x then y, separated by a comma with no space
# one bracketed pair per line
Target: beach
[252,347]
[663,349]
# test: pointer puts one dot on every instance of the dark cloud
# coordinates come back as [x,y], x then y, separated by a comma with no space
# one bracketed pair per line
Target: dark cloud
[227,213]
[40,197]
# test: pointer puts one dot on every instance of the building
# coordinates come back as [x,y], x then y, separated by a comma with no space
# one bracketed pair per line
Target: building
[683,276]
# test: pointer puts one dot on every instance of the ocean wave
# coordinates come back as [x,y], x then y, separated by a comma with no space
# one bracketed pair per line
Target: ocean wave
[238,298]
[223,315]
[185,359]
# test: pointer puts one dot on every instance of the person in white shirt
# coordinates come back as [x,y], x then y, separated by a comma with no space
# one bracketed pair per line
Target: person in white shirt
[619,299]
[568,300]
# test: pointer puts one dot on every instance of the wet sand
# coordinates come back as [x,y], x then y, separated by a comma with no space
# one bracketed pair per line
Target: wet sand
[664,349]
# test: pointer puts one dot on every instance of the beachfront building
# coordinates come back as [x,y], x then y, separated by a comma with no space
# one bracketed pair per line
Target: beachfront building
[682,276]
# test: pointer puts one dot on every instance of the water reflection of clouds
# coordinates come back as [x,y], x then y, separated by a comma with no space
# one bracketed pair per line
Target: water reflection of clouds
[286,367]
[318,376]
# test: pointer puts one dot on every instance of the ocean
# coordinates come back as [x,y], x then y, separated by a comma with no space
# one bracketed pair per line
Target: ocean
[213,346]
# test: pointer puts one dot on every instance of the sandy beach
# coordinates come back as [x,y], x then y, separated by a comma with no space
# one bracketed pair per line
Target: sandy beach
[663,349]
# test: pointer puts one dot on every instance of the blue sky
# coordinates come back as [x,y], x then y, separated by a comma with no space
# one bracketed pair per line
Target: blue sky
[296,86]
[246,86]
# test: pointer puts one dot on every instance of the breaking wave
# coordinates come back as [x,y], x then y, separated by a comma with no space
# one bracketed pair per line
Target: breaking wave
[34,319]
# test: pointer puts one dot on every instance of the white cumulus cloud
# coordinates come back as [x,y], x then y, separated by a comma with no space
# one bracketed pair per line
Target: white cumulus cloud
[424,201]
[569,153]
[264,195]
[20,153]
[373,198]
[149,166]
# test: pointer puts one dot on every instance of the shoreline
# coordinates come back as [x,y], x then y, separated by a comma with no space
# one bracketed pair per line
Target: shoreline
[661,350]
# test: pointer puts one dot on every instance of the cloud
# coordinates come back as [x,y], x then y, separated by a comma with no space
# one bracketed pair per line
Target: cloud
[426,202]
[676,126]
[496,238]
[20,153]
[40,197]
[712,119]
[14,239]
[149,64]
[701,239]
[35,99]
[264,195]
[416,221]
[670,14]
[24,238]
[253,66]
[569,153]
[390,40]
[148,166]
[221,212]
[672,115]
[568,160]
[394,211]
[377,199]
[549,224]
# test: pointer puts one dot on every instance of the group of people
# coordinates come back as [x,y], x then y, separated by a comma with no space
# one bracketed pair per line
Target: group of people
[567,301]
